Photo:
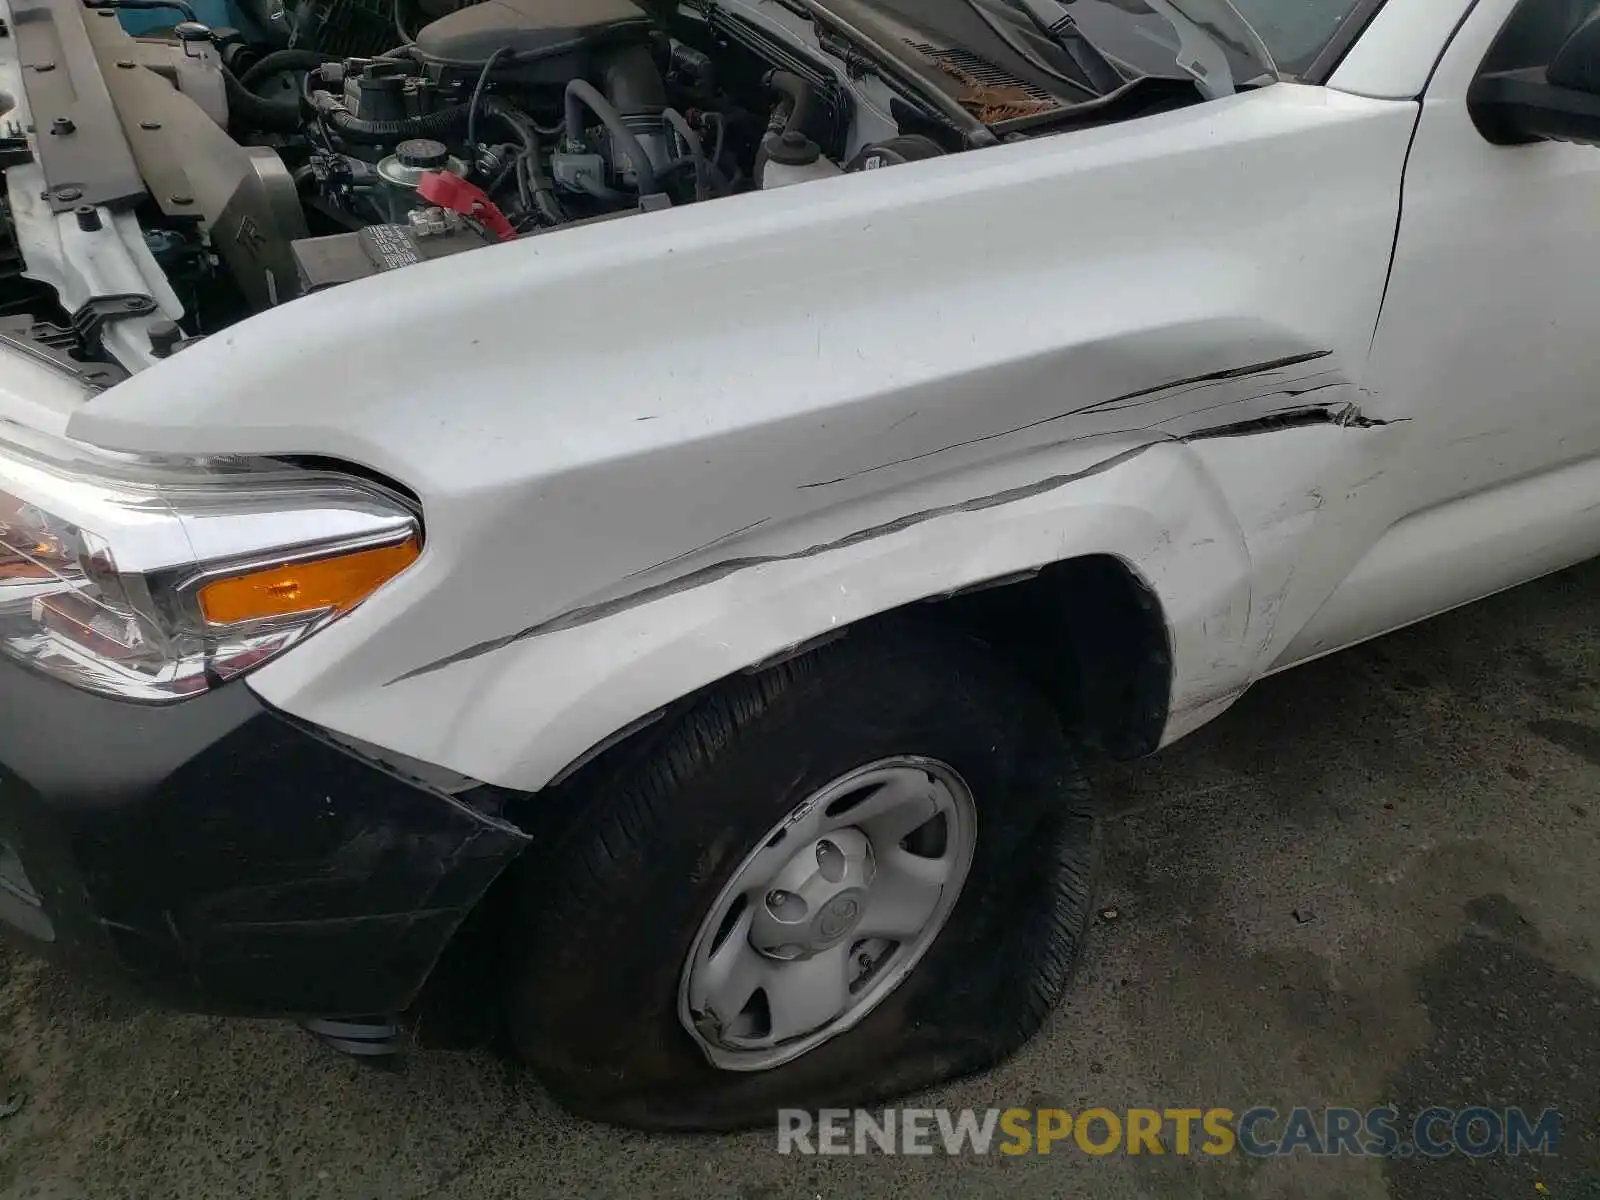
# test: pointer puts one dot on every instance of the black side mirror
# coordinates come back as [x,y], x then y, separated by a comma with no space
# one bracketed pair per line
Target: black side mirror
[1558,102]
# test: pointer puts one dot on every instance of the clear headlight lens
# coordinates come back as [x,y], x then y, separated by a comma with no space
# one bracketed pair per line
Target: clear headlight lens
[155,580]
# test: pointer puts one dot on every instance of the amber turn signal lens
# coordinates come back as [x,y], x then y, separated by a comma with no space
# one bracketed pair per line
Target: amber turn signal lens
[337,584]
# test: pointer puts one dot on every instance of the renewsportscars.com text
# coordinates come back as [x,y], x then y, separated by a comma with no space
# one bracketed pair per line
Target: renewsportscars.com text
[1259,1132]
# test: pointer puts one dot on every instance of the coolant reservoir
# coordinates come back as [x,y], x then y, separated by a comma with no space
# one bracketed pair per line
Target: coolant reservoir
[792,157]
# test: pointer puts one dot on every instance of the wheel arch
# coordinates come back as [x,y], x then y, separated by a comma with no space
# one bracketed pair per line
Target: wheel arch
[1088,631]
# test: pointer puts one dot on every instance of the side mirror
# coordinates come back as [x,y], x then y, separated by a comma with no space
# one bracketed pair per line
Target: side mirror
[1558,102]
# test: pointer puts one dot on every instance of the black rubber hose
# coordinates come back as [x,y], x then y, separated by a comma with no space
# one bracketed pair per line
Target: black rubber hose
[604,194]
[545,204]
[477,98]
[721,123]
[581,95]
[719,180]
[443,124]
[539,184]
[697,151]
[798,93]
[283,60]
[513,118]
[257,112]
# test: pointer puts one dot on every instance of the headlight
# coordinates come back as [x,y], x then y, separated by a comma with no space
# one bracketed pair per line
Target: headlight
[155,580]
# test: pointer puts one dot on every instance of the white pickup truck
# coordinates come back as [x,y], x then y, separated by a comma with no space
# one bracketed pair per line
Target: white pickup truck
[673,484]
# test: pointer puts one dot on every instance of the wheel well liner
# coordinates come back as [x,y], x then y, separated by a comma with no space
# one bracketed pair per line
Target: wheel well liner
[1091,634]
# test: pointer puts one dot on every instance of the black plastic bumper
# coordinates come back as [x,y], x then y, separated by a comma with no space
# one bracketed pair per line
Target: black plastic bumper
[221,857]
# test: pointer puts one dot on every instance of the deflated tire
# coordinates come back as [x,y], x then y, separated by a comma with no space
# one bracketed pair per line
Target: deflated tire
[856,874]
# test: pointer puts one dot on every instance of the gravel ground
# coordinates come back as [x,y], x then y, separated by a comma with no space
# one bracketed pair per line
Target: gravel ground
[1376,879]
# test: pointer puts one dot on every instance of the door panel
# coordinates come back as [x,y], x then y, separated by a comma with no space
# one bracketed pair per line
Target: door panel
[1460,552]
[1489,336]
[1488,346]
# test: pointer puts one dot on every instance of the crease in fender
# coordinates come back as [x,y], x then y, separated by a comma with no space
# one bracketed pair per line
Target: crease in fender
[1339,416]
[712,572]
[1260,368]
[1191,382]
[700,549]
[1345,416]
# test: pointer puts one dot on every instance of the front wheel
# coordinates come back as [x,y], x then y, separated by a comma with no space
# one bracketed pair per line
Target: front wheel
[859,873]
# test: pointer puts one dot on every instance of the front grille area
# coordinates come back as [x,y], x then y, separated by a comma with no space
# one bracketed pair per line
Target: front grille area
[988,91]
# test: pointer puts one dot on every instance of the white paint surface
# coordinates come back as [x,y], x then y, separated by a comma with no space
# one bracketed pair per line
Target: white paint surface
[1398,51]
[656,451]
[609,410]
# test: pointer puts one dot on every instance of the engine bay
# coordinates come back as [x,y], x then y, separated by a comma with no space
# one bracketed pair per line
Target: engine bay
[515,117]
[325,141]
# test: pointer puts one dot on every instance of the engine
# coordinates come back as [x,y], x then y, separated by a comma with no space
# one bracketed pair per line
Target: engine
[515,117]
[329,140]
[496,101]
[322,141]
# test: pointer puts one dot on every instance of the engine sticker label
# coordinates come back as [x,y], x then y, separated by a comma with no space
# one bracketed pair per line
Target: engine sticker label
[390,247]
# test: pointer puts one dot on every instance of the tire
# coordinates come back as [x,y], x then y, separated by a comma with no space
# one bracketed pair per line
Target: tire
[610,914]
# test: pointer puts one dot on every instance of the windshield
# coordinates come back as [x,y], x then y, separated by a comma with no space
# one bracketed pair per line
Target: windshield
[1291,32]
[1258,38]
[1295,31]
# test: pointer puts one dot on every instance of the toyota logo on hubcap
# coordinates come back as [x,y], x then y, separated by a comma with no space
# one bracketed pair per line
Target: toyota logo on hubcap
[839,915]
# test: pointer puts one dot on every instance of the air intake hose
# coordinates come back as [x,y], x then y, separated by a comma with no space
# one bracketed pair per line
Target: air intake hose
[283,60]
[798,97]
[257,112]
[582,95]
